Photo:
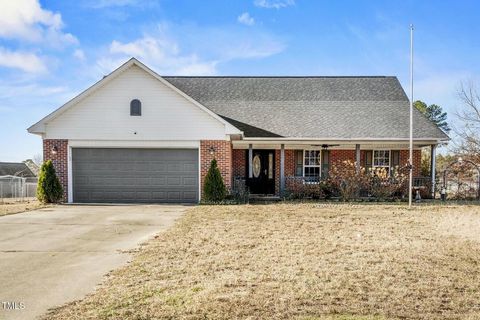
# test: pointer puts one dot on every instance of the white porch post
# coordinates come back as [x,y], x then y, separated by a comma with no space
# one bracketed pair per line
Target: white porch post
[250,161]
[282,169]
[357,158]
[433,155]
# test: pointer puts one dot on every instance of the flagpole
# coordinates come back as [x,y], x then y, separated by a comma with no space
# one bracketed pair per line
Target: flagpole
[410,182]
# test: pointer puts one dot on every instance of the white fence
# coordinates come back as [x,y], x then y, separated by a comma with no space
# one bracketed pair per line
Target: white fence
[13,187]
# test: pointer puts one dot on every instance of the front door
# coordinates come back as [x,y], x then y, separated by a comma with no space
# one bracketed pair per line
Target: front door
[263,172]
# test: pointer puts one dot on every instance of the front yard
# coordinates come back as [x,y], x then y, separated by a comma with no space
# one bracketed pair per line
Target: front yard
[302,261]
[11,206]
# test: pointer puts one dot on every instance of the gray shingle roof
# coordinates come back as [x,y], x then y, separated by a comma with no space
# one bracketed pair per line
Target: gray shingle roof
[310,107]
[15,169]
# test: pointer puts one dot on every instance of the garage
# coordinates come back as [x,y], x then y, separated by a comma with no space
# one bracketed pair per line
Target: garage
[117,175]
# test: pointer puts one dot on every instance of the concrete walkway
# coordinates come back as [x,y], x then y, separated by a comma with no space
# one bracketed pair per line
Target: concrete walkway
[55,255]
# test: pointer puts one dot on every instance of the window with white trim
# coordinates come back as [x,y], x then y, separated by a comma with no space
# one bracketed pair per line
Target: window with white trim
[381,159]
[311,163]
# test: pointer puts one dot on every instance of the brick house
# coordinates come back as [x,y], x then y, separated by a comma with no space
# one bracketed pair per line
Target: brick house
[136,136]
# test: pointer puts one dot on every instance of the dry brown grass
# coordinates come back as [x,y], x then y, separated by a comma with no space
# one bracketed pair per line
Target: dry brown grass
[10,207]
[338,262]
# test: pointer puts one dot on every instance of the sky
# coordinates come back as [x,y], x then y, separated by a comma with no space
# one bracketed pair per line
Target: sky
[50,51]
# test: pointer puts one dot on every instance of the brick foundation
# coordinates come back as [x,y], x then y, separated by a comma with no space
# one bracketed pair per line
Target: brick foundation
[222,153]
[60,161]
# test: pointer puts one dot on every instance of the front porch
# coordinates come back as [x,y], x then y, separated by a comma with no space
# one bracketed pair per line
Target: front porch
[266,167]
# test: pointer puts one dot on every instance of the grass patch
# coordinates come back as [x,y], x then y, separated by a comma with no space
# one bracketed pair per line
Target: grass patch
[301,261]
[10,206]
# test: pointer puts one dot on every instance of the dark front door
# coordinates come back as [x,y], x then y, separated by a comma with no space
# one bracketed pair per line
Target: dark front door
[263,172]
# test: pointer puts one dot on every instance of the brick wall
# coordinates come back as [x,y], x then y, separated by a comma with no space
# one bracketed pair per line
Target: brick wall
[341,155]
[289,167]
[223,155]
[417,160]
[60,160]
[239,162]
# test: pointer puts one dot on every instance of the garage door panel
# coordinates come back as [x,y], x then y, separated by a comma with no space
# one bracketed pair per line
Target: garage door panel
[135,175]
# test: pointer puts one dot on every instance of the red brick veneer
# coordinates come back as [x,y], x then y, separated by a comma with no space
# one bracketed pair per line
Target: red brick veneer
[60,160]
[223,155]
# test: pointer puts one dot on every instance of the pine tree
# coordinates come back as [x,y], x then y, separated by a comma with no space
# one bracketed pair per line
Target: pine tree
[214,188]
[434,113]
[49,189]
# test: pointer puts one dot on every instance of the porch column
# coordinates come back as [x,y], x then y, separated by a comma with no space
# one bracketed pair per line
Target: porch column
[433,155]
[282,169]
[357,158]
[250,161]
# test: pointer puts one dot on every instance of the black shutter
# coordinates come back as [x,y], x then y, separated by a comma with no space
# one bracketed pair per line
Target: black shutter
[325,163]
[298,163]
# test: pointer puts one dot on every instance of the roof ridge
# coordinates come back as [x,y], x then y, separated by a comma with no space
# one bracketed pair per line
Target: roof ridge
[279,77]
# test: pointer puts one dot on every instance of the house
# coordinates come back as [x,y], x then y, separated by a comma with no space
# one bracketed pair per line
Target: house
[136,136]
[17,169]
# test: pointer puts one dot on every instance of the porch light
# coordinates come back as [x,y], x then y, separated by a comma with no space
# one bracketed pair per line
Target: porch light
[54,150]
[211,150]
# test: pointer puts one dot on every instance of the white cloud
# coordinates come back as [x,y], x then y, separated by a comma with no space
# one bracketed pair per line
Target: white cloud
[159,52]
[25,61]
[246,19]
[26,20]
[79,54]
[199,53]
[274,4]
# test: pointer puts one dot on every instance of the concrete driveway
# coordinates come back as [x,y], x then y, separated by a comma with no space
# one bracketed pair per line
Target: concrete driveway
[55,255]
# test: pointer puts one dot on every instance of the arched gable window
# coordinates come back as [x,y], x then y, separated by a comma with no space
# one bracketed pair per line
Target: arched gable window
[135,107]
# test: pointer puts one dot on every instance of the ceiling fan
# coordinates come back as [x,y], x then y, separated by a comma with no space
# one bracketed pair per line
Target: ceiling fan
[325,146]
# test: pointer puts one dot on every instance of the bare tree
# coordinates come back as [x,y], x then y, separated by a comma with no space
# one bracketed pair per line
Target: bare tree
[469,116]
[38,159]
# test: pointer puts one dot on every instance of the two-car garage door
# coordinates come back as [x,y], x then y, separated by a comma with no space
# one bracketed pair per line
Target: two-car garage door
[134,175]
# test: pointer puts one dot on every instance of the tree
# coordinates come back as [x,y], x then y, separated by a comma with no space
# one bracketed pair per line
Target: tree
[469,115]
[49,189]
[434,113]
[214,188]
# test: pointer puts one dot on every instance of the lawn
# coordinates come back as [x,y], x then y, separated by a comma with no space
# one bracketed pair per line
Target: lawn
[301,261]
[9,206]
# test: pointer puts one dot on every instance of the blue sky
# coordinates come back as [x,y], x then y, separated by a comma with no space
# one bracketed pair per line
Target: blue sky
[52,50]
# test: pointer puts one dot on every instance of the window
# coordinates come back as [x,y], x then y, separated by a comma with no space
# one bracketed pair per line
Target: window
[381,159]
[135,107]
[312,164]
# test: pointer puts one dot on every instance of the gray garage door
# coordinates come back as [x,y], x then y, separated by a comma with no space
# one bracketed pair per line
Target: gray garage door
[135,175]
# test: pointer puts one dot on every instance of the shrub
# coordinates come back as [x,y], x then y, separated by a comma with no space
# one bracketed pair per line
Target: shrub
[214,188]
[384,185]
[49,189]
[349,183]
[298,189]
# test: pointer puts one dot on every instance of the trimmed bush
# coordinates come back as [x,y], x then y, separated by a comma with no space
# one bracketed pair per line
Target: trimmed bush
[214,188]
[49,189]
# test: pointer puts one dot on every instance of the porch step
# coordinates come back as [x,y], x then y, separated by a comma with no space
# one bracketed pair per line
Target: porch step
[263,199]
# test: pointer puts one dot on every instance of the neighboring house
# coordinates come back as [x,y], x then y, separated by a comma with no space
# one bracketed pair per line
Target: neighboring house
[136,136]
[17,169]
[32,166]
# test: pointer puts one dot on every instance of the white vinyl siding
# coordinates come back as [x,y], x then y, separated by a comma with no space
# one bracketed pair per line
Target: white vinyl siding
[105,114]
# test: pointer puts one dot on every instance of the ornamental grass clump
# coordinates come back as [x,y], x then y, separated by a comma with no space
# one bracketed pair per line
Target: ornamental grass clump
[214,189]
[49,189]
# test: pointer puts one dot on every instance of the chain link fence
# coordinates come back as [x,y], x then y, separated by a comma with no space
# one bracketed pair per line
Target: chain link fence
[13,188]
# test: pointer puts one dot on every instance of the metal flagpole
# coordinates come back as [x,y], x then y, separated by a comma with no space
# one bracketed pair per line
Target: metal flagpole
[410,182]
